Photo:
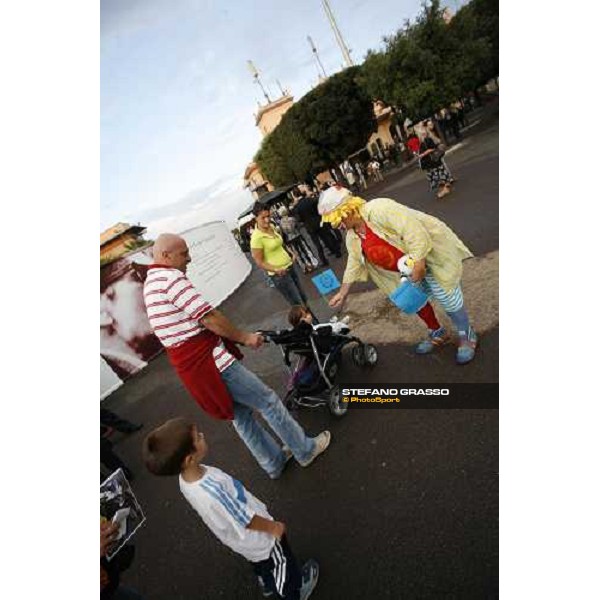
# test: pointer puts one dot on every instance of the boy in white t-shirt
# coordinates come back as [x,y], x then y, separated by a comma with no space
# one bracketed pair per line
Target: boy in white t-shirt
[231,512]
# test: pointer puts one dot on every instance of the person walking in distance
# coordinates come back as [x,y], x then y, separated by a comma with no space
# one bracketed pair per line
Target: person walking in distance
[306,210]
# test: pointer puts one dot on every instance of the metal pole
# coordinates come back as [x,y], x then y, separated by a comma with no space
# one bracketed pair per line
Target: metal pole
[337,33]
[314,49]
[254,72]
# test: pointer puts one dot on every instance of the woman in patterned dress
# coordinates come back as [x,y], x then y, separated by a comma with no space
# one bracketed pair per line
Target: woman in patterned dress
[437,173]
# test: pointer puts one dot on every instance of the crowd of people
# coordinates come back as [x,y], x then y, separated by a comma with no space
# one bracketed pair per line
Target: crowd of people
[279,242]
[386,242]
[426,142]
[202,345]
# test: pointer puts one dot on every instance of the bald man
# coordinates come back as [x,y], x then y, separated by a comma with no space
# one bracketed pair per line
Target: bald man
[201,345]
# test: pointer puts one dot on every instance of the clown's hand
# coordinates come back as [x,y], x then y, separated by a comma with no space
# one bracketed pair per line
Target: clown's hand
[337,300]
[418,271]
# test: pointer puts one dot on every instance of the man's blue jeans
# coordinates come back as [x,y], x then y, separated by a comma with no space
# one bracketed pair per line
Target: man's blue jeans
[249,393]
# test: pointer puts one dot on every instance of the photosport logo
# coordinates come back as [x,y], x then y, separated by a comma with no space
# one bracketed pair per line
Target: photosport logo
[457,395]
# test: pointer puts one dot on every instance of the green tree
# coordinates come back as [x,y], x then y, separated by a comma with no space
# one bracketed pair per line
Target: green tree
[285,157]
[414,71]
[377,76]
[335,119]
[424,66]
[272,162]
[476,29]
[322,129]
[301,156]
[429,63]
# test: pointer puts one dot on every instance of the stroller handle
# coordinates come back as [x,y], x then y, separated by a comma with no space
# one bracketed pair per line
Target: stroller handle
[268,335]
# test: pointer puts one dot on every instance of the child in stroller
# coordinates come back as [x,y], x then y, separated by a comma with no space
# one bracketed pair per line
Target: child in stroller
[316,352]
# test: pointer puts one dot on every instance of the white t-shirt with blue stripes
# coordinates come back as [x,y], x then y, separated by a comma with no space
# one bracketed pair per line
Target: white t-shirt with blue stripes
[227,507]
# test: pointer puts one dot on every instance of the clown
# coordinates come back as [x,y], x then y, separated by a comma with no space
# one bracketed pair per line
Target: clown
[383,237]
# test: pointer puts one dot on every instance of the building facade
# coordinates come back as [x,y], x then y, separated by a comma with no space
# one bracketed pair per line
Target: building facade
[269,116]
[266,119]
[120,239]
[255,181]
[388,133]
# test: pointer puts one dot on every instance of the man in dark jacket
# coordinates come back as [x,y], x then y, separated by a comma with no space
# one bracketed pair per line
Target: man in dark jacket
[306,211]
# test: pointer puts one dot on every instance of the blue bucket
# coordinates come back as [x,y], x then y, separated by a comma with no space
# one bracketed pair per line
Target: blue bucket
[408,297]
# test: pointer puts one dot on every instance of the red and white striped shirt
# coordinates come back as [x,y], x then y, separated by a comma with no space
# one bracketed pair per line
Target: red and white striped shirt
[175,307]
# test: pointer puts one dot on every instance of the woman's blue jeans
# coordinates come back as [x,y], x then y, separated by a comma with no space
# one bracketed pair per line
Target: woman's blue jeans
[249,393]
[289,287]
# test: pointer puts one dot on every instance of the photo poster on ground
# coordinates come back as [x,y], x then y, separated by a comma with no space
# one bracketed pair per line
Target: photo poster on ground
[218,264]
[119,505]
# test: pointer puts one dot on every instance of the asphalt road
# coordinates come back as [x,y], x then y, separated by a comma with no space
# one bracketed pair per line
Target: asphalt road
[403,505]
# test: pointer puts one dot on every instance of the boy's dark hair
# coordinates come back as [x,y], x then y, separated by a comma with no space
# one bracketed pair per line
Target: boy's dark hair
[166,447]
[258,208]
[296,315]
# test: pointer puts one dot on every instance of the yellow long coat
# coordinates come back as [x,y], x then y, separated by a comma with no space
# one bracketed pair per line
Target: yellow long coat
[413,232]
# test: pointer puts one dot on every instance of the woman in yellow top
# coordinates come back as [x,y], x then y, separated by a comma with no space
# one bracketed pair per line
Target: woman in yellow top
[379,234]
[270,255]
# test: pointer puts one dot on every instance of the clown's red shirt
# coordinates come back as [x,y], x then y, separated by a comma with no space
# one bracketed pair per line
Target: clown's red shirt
[379,252]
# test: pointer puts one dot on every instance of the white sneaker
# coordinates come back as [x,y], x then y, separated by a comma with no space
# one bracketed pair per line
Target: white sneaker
[321,443]
[310,576]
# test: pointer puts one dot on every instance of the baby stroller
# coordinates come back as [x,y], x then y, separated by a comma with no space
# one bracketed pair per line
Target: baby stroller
[313,357]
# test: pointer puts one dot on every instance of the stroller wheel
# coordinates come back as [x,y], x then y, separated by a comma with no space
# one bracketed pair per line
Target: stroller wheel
[332,370]
[370,354]
[336,407]
[358,356]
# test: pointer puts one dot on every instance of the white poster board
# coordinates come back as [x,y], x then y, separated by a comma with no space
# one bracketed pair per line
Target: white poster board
[218,264]
[109,381]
